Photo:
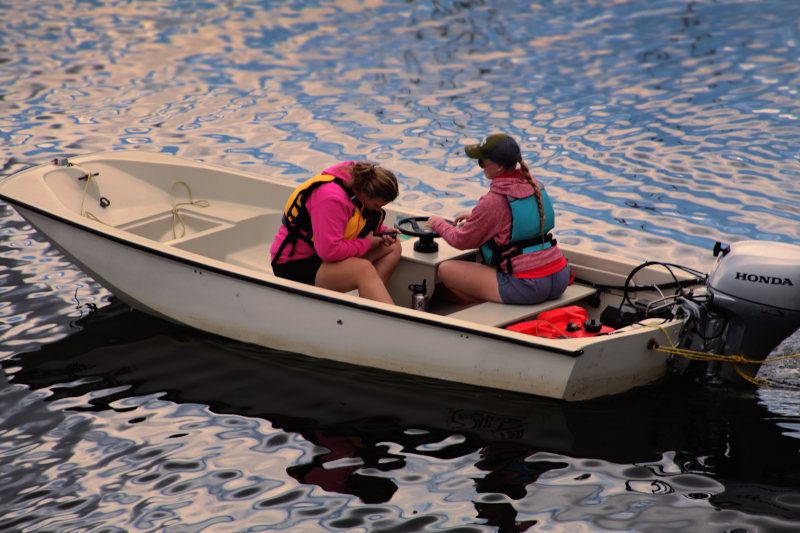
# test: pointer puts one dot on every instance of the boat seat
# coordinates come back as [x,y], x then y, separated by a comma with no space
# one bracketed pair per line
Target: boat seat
[500,315]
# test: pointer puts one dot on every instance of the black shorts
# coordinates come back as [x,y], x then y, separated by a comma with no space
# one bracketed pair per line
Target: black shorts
[302,270]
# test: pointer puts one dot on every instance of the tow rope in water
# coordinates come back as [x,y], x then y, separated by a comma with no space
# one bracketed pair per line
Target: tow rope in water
[735,360]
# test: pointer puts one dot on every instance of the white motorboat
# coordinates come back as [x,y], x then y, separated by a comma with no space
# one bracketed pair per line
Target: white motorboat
[189,242]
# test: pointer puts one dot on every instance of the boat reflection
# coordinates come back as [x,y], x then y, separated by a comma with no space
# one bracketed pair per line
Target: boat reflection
[367,422]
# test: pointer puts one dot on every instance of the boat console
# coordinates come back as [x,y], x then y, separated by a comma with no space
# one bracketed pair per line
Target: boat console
[419,263]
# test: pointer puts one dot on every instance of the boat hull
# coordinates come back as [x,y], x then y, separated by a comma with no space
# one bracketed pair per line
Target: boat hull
[253,306]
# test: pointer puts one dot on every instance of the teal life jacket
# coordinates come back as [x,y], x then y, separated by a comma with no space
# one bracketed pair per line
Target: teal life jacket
[527,234]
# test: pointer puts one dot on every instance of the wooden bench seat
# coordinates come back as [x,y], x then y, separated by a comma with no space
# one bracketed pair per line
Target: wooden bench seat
[500,315]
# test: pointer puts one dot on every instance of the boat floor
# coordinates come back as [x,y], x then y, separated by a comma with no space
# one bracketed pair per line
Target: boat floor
[244,241]
[236,228]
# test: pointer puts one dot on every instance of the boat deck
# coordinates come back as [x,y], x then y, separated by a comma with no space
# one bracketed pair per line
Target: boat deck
[501,315]
[242,238]
[238,229]
[176,217]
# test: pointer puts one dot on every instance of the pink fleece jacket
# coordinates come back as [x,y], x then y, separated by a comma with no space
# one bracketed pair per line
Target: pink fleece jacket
[491,219]
[330,209]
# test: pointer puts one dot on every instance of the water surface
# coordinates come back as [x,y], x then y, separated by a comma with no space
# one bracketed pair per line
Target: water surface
[658,128]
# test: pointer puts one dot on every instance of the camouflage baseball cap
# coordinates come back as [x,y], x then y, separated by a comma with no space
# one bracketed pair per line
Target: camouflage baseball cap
[499,148]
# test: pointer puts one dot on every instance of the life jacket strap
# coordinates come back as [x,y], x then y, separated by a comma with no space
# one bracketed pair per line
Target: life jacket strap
[504,254]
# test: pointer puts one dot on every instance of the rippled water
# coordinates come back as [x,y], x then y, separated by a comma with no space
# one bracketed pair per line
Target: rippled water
[658,127]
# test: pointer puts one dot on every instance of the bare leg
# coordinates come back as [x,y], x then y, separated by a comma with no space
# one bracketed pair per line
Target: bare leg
[471,281]
[354,273]
[386,259]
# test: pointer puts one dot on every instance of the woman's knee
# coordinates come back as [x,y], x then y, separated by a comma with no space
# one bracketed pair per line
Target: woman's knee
[387,253]
[397,248]
[345,274]
[446,269]
[452,271]
[395,252]
[363,270]
[359,266]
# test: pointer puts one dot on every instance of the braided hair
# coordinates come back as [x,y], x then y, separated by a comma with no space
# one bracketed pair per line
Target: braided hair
[537,191]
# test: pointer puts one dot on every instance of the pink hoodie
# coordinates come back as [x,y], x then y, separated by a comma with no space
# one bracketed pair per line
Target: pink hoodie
[330,209]
[491,218]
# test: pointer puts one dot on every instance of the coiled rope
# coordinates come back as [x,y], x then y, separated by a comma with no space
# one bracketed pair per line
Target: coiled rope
[735,360]
[176,216]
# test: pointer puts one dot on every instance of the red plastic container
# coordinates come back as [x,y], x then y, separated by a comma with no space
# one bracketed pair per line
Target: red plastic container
[562,323]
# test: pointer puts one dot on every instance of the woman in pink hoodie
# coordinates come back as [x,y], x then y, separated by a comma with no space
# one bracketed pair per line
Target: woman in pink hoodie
[511,225]
[333,235]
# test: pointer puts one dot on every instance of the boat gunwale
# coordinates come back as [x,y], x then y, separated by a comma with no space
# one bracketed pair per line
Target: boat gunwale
[156,250]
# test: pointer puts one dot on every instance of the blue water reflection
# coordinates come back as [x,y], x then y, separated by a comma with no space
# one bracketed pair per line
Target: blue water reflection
[659,128]
[161,427]
[669,94]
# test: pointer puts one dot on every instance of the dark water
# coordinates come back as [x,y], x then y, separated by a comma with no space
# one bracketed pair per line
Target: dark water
[659,128]
[140,424]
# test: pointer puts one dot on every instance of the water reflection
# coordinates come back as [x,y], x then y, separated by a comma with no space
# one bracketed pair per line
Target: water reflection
[147,422]
[658,129]
[42,292]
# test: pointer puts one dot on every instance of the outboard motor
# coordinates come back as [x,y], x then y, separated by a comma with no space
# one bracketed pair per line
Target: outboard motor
[753,304]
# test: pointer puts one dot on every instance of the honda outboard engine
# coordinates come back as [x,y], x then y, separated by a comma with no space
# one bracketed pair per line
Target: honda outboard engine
[753,304]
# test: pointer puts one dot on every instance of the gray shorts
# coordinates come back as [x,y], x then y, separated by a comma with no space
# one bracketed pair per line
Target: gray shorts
[514,290]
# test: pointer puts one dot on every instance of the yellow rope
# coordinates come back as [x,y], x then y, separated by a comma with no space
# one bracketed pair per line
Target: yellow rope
[752,379]
[89,176]
[705,356]
[176,216]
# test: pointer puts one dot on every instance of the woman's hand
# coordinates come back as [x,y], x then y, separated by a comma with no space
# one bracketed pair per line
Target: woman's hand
[431,220]
[463,217]
[459,220]
[385,239]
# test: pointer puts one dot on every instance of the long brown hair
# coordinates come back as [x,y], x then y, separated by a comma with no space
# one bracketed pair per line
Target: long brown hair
[374,181]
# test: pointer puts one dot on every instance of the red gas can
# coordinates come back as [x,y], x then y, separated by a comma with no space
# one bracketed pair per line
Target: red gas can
[562,323]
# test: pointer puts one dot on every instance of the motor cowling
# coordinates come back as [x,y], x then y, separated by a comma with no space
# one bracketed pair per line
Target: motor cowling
[756,286]
[758,272]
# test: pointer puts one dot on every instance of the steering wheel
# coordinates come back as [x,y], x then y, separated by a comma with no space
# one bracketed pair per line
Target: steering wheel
[425,243]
